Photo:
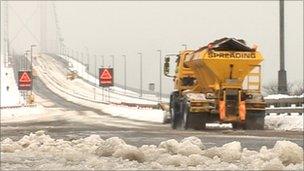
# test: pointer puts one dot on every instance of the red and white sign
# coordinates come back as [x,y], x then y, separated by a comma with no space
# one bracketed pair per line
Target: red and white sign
[106,78]
[25,80]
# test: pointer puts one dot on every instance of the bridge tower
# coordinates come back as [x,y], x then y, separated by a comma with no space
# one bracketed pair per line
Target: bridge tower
[5,46]
[43,26]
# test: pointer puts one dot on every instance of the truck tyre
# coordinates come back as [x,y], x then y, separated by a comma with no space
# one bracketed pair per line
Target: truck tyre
[255,120]
[191,120]
[175,111]
[237,125]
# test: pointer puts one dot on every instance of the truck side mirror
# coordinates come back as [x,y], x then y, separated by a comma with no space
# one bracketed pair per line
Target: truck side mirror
[167,66]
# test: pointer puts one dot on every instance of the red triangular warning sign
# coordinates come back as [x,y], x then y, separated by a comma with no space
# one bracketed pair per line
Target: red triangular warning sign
[25,78]
[106,75]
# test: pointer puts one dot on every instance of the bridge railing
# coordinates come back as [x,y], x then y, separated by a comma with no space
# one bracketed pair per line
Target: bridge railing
[285,105]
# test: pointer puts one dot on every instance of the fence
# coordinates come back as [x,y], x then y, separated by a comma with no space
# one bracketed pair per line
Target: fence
[285,105]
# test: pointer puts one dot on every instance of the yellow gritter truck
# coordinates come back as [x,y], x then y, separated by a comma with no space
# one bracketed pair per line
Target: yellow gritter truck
[219,82]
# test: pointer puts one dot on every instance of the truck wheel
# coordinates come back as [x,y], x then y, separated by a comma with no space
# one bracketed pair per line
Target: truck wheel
[175,111]
[195,121]
[186,117]
[255,120]
[237,125]
[200,120]
[176,117]
[234,125]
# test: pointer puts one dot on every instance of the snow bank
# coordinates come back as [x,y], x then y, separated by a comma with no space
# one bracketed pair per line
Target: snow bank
[285,122]
[40,151]
[10,96]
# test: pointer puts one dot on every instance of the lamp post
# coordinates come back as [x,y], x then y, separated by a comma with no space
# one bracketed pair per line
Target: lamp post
[113,63]
[112,56]
[95,56]
[140,72]
[185,45]
[125,72]
[32,46]
[282,78]
[26,55]
[102,60]
[160,74]
[24,64]
[72,52]
[77,56]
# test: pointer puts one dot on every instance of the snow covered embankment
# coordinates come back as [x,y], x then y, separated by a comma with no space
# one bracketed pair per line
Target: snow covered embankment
[284,122]
[12,103]
[10,95]
[58,83]
[293,122]
[40,151]
[119,93]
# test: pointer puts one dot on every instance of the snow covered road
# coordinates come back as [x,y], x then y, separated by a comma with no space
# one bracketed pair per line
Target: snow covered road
[76,132]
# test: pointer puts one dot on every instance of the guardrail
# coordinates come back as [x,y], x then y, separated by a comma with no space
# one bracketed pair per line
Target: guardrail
[285,105]
[285,102]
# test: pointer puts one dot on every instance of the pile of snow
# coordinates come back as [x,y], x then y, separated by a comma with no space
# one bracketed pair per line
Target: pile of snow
[10,96]
[40,151]
[293,122]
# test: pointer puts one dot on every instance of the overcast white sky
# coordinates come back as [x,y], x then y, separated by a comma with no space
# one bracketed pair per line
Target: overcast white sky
[117,28]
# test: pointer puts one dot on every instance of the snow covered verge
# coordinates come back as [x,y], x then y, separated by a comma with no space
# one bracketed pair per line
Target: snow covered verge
[70,91]
[292,122]
[21,113]
[40,151]
[284,122]
[10,95]
[82,72]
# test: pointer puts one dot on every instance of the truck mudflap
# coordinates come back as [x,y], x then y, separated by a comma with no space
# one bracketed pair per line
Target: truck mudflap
[242,110]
